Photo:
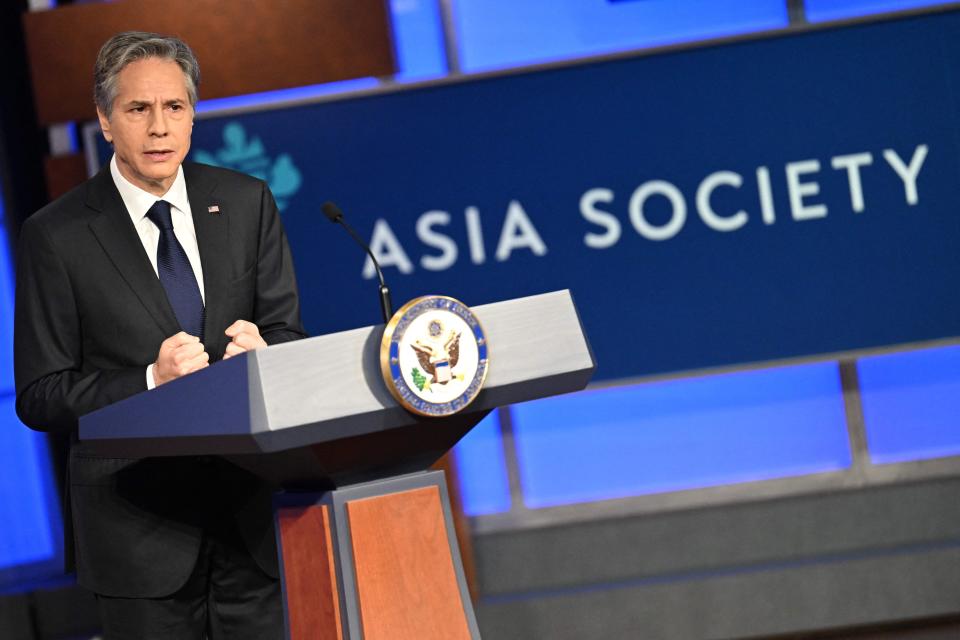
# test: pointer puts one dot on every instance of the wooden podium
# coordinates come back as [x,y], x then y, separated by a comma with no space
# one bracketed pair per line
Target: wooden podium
[364,531]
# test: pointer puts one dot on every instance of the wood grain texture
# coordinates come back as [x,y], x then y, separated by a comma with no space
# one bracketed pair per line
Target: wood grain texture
[448,465]
[243,47]
[64,173]
[406,583]
[309,576]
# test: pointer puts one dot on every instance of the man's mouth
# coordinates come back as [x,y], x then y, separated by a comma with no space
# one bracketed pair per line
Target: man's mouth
[159,155]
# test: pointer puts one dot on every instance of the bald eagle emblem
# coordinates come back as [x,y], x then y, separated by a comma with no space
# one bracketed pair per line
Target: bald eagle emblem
[433,356]
[438,354]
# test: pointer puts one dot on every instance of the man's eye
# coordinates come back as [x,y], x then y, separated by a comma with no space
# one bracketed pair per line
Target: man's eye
[137,109]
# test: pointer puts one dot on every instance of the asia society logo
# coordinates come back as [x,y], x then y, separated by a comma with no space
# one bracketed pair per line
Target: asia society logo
[603,209]
[248,155]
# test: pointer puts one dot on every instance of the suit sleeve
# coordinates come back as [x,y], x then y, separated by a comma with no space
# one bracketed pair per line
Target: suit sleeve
[53,390]
[277,303]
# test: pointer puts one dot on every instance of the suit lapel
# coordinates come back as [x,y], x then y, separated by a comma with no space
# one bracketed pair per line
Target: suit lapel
[115,231]
[213,240]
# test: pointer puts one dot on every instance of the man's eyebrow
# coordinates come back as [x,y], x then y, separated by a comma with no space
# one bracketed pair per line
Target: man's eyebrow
[138,103]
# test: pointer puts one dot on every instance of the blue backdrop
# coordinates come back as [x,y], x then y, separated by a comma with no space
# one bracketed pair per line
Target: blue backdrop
[615,126]
[737,203]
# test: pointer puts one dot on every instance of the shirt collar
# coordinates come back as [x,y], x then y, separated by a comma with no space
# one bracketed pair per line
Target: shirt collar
[138,201]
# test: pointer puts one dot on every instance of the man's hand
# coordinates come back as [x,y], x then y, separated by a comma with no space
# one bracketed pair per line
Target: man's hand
[244,336]
[179,355]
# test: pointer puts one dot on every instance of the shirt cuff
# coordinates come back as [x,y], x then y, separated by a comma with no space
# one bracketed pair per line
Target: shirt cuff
[151,383]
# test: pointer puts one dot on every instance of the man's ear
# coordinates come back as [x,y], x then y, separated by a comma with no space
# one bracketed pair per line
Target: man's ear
[104,126]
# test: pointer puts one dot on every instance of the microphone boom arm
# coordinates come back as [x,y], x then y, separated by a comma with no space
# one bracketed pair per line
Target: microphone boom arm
[333,214]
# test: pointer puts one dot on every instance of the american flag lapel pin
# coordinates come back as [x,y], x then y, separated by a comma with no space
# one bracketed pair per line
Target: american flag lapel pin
[214,208]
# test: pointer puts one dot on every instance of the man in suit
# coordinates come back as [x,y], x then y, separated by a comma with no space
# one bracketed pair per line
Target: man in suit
[149,271]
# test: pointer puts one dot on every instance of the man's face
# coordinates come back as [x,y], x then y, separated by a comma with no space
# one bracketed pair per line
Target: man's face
[151,123]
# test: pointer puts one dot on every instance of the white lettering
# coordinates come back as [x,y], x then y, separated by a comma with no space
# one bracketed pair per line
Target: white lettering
[607,220]
[385,246]
[704,208]
[518,233]
[852,164]
[677,217]
[798,190]
[478,254]
[766,195]
[429,237]
[908,173]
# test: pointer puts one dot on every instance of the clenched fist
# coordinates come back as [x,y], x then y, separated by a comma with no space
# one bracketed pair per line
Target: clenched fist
[179,355]
[244,336]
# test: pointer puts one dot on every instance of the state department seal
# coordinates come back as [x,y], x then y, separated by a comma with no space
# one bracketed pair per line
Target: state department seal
[433,356]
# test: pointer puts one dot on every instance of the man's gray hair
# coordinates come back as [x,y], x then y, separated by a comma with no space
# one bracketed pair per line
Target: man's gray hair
[130,46]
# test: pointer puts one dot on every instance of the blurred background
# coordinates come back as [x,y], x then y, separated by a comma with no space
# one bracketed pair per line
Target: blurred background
[756,205]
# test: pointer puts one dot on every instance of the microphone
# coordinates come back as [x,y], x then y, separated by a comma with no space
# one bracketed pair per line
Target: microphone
[335,216]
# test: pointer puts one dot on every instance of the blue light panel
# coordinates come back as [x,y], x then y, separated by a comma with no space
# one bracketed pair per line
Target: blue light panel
[29,516]
[822,10]
[6,313]
[26,535]
[502,33]
[285,95]
[682,434]
[418,33]
[911,404]
[482,470]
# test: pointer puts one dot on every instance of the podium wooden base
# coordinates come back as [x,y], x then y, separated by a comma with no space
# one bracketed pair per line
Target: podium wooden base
[373,561]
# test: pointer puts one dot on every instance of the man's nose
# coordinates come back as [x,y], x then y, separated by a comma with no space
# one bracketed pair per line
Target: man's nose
[158,123]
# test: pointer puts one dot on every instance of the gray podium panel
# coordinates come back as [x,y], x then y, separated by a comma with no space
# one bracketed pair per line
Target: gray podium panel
[317,411]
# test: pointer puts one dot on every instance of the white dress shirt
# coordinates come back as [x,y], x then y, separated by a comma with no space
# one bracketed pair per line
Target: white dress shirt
[138,202]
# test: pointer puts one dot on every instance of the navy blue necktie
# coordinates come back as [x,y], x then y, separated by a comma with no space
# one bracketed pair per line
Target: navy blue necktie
[176,274]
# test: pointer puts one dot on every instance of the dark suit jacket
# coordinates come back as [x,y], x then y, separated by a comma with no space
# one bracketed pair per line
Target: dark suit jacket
[90,316]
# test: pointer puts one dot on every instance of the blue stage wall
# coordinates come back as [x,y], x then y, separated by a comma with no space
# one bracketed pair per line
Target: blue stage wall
[823,10]
[30,527]
[504,33]
[739,203]
[544,140]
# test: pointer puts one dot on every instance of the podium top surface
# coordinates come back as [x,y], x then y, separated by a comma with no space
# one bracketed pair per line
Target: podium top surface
[330,387]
